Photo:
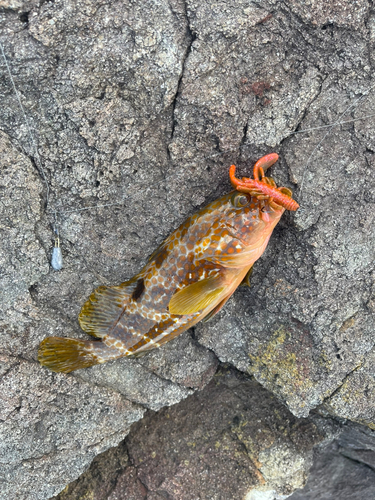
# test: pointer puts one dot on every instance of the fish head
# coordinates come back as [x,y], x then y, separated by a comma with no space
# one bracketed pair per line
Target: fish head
[232,231]
[248,211]
[248,218]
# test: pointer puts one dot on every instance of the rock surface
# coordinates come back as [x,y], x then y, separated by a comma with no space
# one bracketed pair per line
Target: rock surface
[345,470]
[306,325]
[146,104]
[231,440]
[51,425]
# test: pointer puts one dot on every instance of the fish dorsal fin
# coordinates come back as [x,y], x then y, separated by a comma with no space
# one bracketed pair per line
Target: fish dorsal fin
[197,296]
[104,308]
[160,253]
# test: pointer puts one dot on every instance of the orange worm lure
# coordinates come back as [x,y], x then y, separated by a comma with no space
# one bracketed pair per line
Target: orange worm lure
[264,188]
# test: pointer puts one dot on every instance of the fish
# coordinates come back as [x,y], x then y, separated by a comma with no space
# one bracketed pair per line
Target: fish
[189,277]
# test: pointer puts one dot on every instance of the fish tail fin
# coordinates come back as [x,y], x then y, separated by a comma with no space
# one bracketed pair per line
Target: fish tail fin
[61,354]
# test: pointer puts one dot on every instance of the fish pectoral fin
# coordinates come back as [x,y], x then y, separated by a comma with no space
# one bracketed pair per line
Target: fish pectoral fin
[197,296]
[246,280]
[105,306]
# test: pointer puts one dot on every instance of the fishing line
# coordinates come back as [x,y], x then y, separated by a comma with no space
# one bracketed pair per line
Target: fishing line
[303,131]
[352,105]
[56,260]
[33,144]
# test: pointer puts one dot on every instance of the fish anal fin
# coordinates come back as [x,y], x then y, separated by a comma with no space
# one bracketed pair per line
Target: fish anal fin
[216,309]
[106,304]
[197,296]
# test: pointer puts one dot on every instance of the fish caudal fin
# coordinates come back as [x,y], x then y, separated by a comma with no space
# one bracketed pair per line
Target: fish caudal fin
[65,355]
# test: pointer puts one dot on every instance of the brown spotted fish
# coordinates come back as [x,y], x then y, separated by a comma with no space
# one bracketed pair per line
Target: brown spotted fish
[188,278]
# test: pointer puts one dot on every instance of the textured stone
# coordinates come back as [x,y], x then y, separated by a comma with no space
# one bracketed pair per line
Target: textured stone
[231,440]
[345,470]
[146,104]
[97,82]
[52,426]
[355,398]
[307,322]
[101,477]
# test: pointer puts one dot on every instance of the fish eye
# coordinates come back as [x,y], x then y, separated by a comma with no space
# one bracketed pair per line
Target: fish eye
[239,200]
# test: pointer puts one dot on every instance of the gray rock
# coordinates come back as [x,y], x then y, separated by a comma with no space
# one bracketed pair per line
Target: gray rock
[52,426]
[307,322]
[231,440]
[345,470]
[162,378]
[97,83]
[137,109]
[354,398]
